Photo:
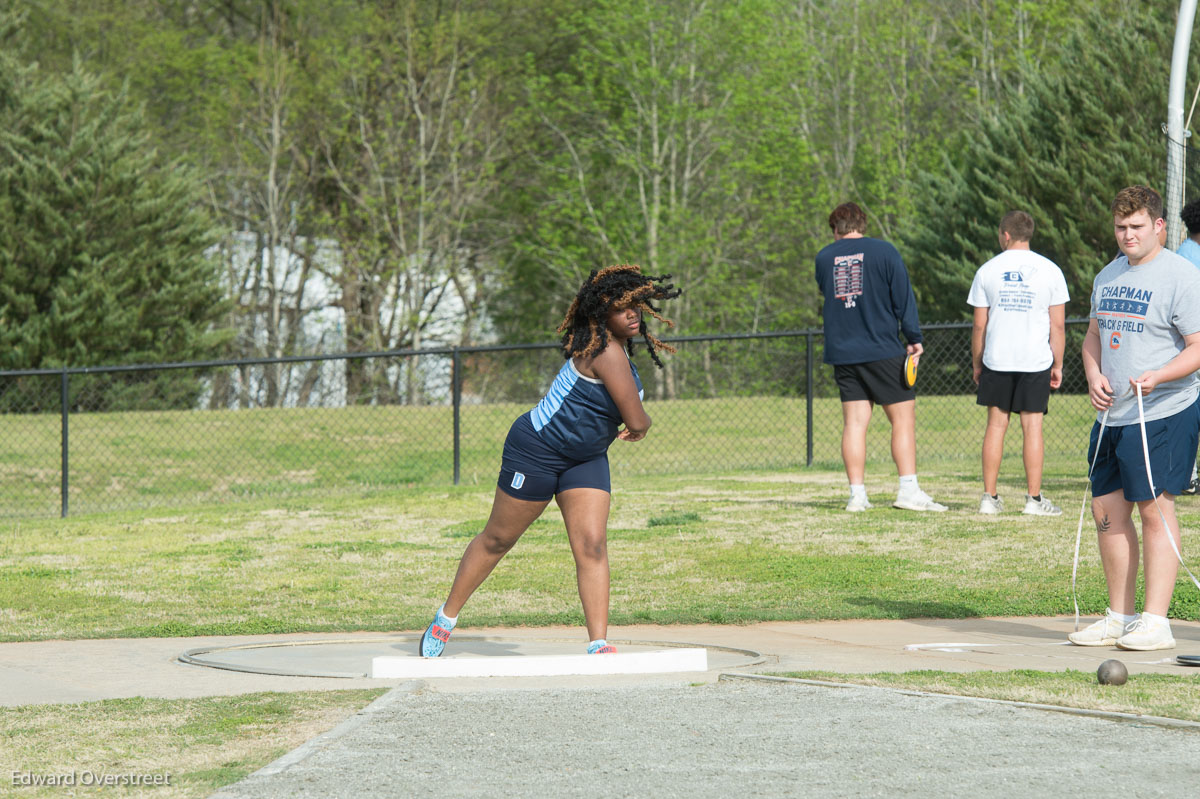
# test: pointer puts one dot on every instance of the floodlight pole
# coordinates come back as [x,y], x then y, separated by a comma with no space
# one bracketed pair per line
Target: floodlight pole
[1175,130]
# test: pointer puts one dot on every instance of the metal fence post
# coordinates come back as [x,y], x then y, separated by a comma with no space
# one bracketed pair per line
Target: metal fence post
[456,394]
[808,396]
[66,459]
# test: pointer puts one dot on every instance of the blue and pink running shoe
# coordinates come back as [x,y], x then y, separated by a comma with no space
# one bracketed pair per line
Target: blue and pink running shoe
[436,635]
[601,647]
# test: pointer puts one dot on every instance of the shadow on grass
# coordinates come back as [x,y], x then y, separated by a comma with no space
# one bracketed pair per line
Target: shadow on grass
[822,503]
[900,609]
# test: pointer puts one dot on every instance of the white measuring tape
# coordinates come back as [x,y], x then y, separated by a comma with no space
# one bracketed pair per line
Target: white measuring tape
[1082,510]
[1153,494]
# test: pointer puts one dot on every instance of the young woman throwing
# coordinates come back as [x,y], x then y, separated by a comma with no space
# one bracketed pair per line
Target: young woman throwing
[559,450]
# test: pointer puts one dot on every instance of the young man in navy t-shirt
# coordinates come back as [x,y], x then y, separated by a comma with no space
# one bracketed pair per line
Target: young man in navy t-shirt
[868,300]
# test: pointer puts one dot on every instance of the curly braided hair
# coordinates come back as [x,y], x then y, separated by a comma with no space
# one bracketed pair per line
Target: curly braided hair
[585,327]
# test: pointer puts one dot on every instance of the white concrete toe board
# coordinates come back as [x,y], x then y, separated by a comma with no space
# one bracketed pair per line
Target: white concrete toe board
[656,662]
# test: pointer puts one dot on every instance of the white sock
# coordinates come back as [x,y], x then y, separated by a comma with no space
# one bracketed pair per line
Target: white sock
[442,612]
[1121,617]
[1153,620]
[598,643]
[908,482]
[858,490]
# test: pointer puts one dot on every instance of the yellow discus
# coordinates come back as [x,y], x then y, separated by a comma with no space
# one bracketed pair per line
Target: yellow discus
[909,376]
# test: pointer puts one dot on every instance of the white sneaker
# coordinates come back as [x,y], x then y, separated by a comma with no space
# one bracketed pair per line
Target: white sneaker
[1142,636]
[1041,507]
[857,503]
[917,500]
[991,505]
[1101,633]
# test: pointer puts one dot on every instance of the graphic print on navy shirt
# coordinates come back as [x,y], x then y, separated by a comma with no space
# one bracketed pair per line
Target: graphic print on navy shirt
[848,277]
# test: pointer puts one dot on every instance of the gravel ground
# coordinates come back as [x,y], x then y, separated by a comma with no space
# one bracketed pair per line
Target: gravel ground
[725,739]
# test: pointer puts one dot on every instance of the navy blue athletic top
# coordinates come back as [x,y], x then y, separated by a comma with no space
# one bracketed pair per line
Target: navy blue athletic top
[868,299]
[577,417]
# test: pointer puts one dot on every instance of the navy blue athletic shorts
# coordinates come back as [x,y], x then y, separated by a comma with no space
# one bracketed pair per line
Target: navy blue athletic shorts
[531,470]
[1122,465]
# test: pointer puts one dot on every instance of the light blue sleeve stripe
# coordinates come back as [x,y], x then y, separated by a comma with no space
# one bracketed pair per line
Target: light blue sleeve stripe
[550,404]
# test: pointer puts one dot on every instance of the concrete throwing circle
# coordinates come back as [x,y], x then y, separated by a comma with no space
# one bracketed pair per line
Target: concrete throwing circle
[352,658]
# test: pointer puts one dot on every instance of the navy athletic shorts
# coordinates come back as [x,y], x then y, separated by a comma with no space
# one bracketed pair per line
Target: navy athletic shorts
[1121,464]
[531,470]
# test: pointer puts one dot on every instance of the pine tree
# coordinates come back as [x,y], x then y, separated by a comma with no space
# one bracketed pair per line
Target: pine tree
[1078,133]
[103,244]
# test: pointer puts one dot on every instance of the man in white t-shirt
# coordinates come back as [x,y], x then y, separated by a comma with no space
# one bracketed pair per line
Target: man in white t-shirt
[1016,354]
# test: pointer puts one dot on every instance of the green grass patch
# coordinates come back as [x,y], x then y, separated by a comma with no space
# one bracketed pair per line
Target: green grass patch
[141,460]
[725,547]
[199,744]
[1144,694]
[673,519]
[729,546]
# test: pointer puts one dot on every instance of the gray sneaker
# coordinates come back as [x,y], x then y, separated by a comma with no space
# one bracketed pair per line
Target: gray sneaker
[991,505]
[1041,507]
[1101,633]
[1143,636]
[857,503]
[917,500]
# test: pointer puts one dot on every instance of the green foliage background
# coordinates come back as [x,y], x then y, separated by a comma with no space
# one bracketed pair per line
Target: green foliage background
[104,239]
[497,151]
[1065,145]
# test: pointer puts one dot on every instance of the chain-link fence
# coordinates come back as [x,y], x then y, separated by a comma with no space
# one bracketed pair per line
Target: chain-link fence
[1182,187]
[86,440]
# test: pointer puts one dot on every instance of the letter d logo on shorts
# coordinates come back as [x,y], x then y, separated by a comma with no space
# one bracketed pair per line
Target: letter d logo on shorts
[518,480]
[1114,341]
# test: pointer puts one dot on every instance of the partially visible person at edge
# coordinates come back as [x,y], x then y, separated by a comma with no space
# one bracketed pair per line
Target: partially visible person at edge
[1190,248]
[868,300]
[1144,335]
[559,449]
[1017,344]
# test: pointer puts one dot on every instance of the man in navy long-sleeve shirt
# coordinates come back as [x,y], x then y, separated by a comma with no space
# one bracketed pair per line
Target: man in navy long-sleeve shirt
[868,299]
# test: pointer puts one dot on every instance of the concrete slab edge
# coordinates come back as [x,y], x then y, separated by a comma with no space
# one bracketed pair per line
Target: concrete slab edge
[1111,715]
[666,661]
[314,745]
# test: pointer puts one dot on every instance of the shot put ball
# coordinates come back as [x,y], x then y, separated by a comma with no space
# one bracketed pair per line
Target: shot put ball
[1112,672]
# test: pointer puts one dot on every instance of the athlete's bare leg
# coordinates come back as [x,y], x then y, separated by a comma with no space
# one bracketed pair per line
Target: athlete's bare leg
[856,416]
[509,520]
[585,512]
[903,416]
[1032,450]
[1161,565]
[993,448]
[1118,542]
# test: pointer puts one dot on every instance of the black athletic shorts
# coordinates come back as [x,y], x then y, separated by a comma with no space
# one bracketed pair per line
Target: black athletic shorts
[880,382]
[1014,392]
